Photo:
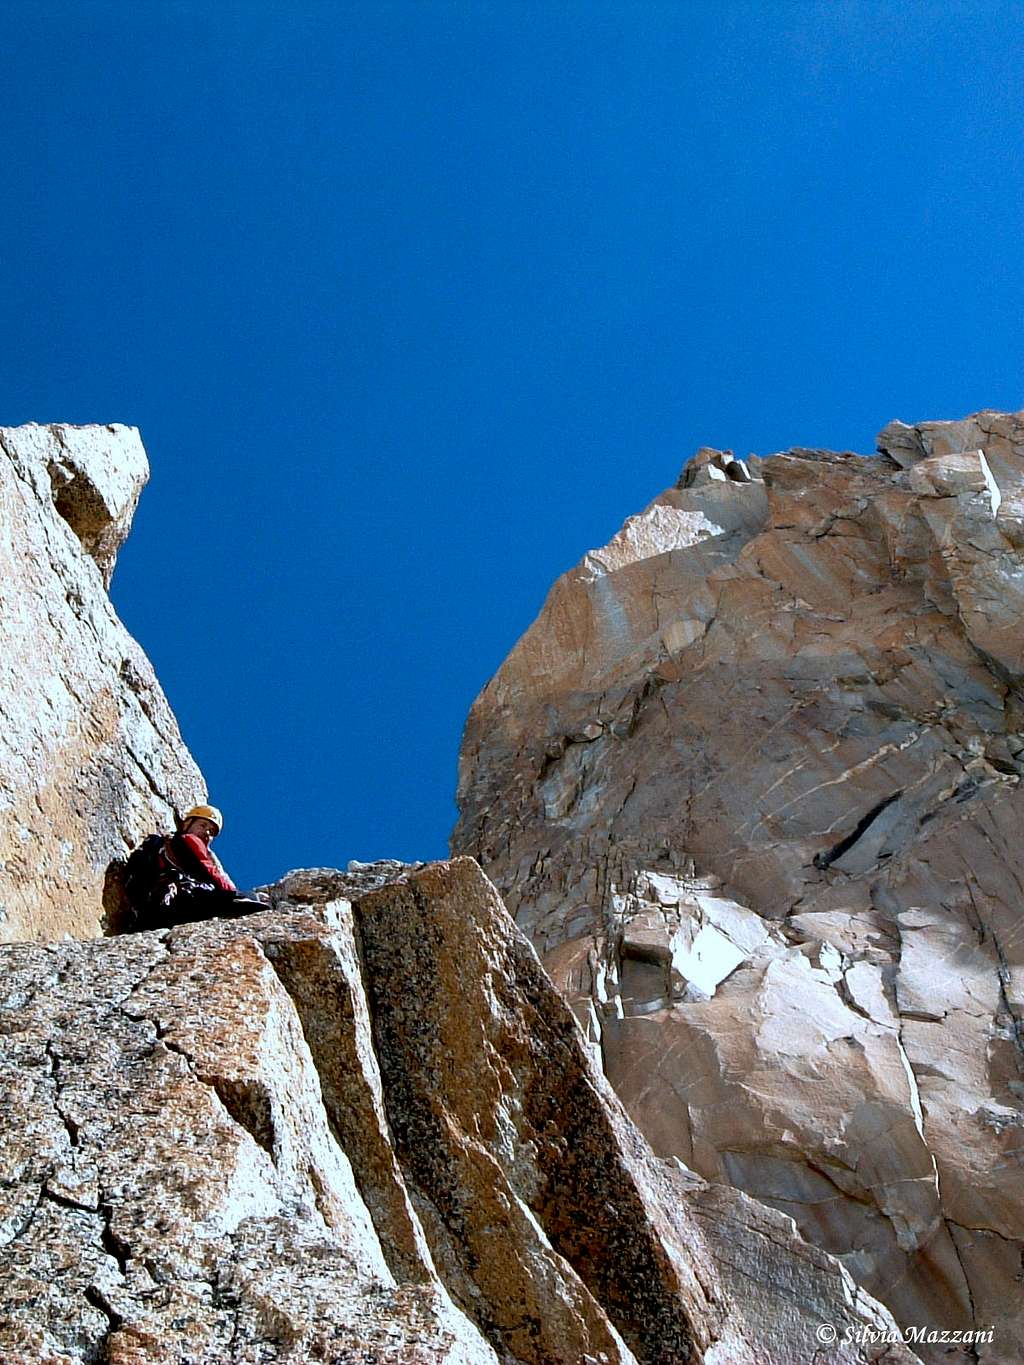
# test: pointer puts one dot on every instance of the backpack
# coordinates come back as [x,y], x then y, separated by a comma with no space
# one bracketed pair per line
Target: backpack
[144,869]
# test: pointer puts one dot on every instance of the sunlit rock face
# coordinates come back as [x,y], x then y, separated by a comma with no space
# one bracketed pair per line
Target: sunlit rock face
[361,1129]
[361,1125]
[90,755]
[751,783]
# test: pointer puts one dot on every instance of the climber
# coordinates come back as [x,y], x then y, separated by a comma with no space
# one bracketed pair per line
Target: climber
[178,879]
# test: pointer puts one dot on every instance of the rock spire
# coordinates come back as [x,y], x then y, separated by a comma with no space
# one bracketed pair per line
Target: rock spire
[90,754]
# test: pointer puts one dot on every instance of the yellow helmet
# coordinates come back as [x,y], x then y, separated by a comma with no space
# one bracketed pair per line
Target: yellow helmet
[210,813]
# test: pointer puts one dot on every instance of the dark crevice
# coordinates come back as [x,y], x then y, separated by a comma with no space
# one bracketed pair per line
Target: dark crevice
[225,1299]
[861,1196]
[846,996]
[321,1191]
[827,857]
[79,503]
[71,1127]
[988,1232]
[154,1272]
[117,915]
[972,1351]
[95,1296]
[160,936]
[109,1240]
[652,954]
[66,1202]
[552,755]
[248,1103]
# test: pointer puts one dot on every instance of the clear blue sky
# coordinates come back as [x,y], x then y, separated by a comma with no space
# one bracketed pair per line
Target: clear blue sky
[414,303]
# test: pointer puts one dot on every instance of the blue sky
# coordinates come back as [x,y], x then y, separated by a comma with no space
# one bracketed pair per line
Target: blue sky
[414,303]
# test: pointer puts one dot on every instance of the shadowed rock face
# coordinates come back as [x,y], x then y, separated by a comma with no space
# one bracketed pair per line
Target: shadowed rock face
[359,1132]
[90,755]
[800,678]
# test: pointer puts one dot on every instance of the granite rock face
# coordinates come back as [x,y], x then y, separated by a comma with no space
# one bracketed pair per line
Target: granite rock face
[751,783]
[359,1126]
[360,1131]
[90,755]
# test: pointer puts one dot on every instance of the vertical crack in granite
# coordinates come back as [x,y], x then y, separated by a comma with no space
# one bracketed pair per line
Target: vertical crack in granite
[532,1135]
[324,980]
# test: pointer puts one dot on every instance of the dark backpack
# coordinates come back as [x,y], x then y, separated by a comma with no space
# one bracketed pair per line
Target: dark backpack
[143,871]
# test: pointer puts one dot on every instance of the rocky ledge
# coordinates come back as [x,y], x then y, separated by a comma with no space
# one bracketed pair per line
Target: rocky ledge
[360,1131]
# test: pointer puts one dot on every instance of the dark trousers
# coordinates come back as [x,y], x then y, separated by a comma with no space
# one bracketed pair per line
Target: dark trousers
[189,902]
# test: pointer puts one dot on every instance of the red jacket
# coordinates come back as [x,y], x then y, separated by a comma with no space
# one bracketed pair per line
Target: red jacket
[191,855]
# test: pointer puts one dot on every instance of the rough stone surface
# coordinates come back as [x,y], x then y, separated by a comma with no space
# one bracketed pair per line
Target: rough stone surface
[320,885]
[803,679]
[360,1133]
[90,755]
[359,1126]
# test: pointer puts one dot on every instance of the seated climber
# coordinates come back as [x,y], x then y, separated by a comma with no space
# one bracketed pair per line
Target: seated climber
[178,879]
